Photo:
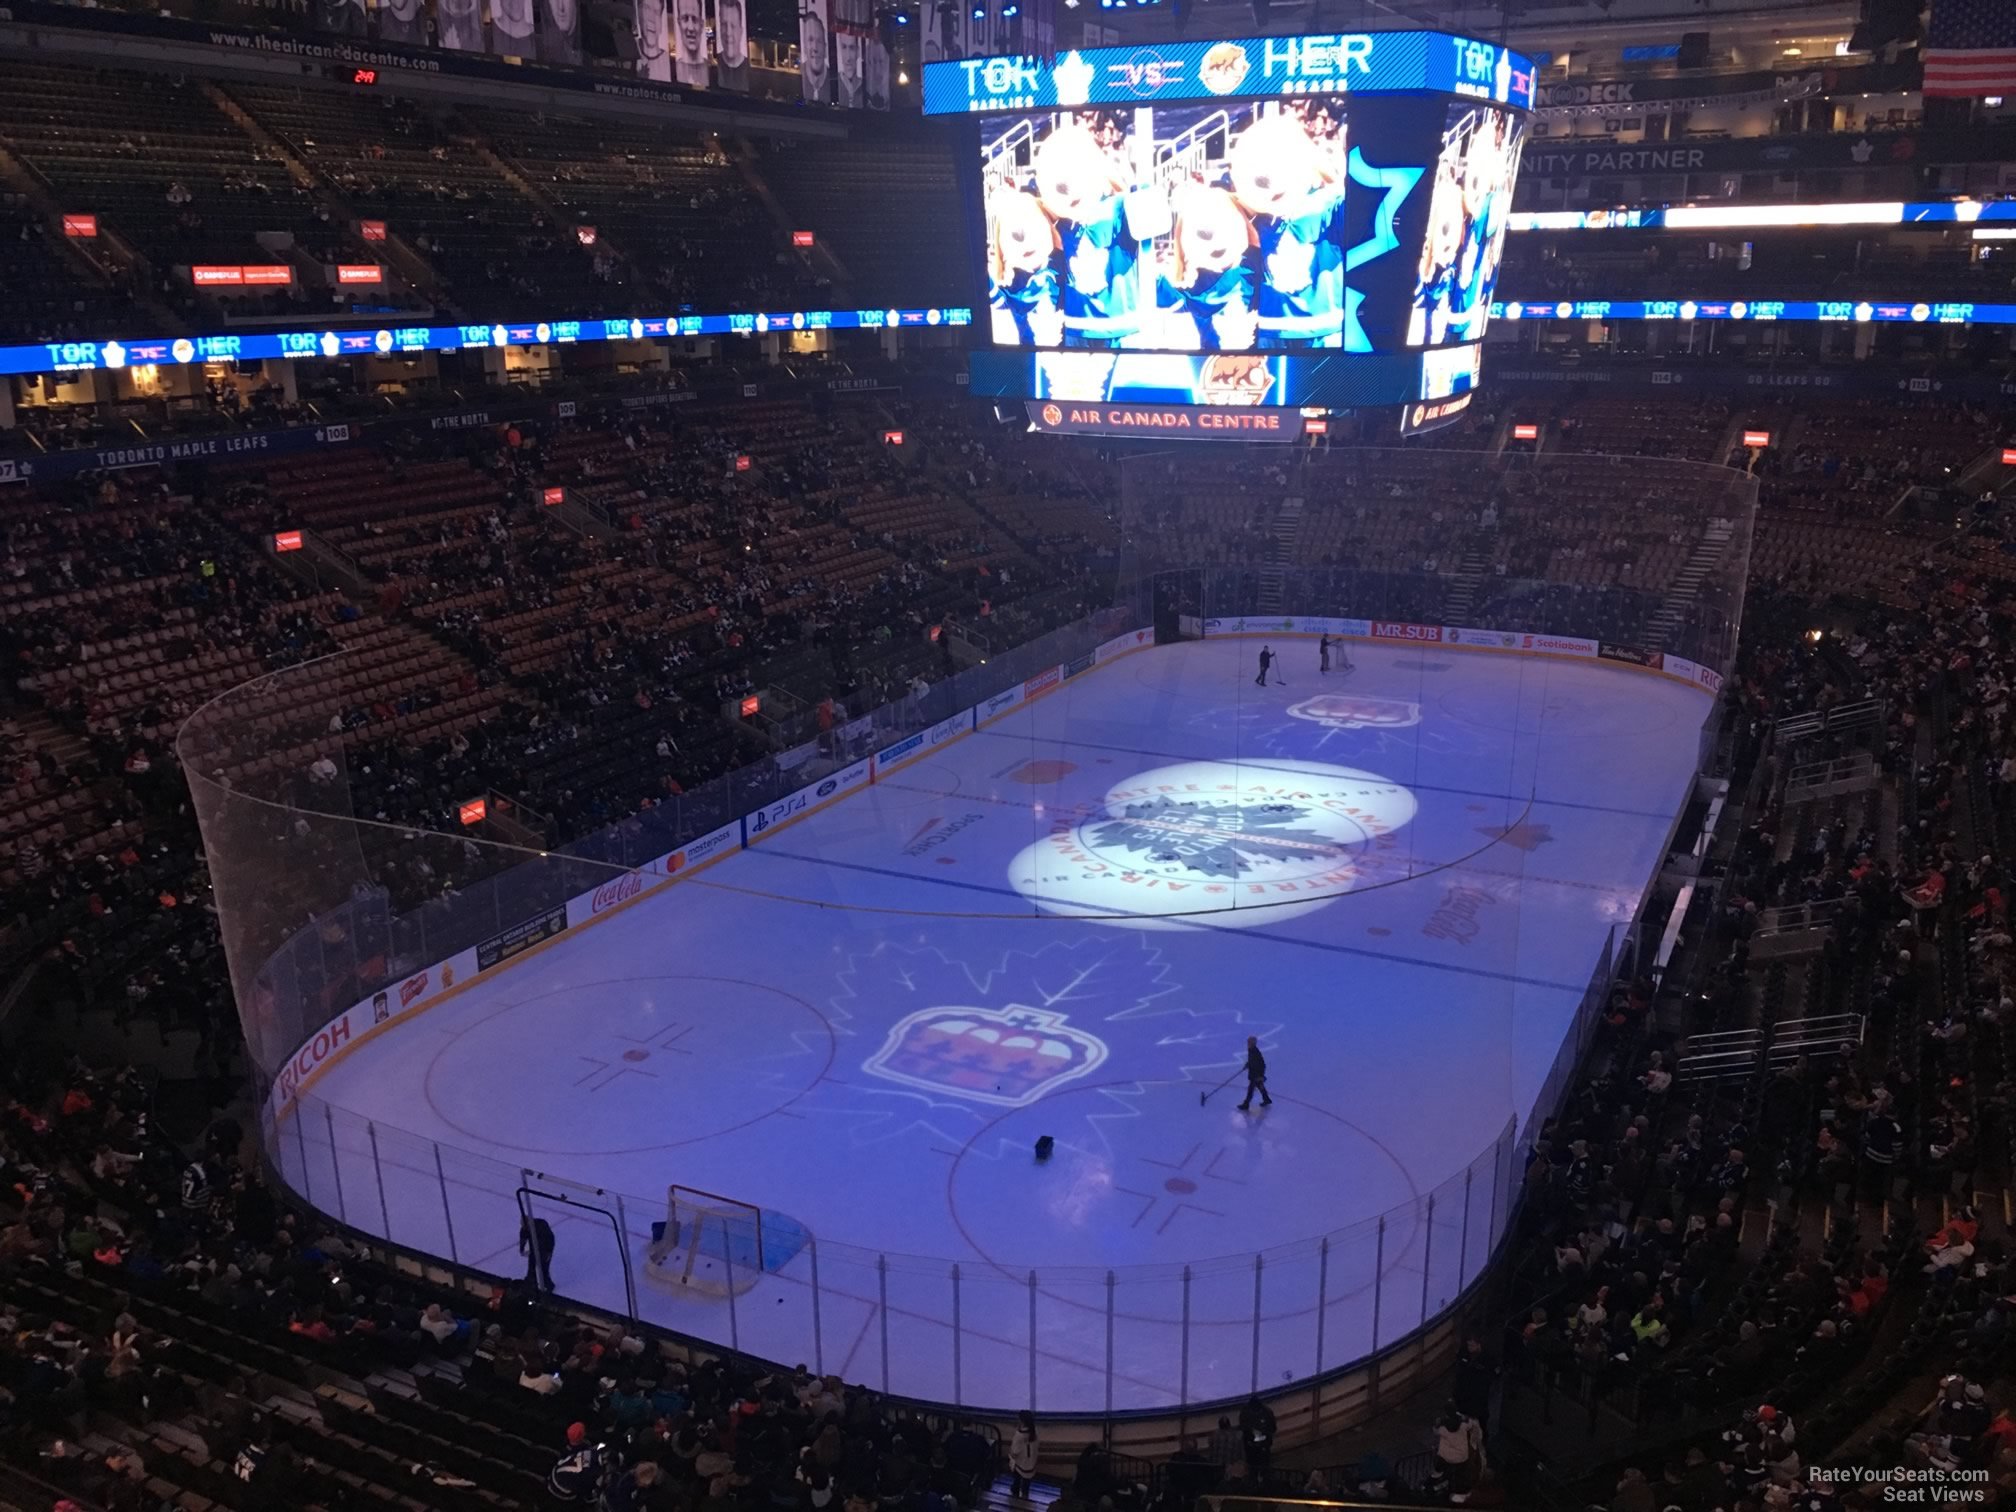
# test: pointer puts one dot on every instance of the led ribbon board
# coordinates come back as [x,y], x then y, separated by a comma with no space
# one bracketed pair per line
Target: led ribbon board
[79,356]
[1396,62]
[1768,217]
[1763,311]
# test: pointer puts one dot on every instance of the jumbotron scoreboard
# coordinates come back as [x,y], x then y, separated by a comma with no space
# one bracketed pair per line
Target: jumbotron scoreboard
[1268,223]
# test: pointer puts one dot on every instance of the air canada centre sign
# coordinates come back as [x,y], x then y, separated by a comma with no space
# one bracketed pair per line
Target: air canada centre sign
[1203,421]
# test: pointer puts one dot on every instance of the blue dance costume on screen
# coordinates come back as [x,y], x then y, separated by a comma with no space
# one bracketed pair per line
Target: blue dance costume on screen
[1203,301]
[1313,314]
[1021,296]
[1101,285]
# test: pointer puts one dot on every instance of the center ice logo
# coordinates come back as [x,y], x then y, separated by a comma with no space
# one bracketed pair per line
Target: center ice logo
[1217,838]
[1214,839]
[1345,711]
[1007,1056]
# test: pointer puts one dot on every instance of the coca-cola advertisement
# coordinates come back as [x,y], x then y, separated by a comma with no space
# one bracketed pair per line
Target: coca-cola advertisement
[621,890]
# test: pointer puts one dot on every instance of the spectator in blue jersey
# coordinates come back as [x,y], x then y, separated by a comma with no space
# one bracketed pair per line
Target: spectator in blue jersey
[1288,176]
[576,1474]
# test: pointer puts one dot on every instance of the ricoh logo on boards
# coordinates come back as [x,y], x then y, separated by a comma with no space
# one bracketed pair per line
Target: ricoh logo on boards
[327,1041]
[609,894]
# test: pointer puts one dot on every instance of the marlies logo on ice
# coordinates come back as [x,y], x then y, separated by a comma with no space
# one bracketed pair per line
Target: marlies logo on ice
[1007,1056]
[1342,711]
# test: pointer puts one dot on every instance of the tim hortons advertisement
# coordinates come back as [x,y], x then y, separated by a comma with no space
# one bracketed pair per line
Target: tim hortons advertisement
[1637,656]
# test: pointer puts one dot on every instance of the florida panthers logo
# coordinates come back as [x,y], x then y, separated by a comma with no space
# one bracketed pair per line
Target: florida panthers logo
[1007,1056]
[1344,711]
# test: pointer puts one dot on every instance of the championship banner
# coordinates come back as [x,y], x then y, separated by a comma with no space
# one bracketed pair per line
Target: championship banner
[815,59]
[648,27]
[460,24]
[731,44]
[878,74]
[689,42]
[511,28]
[402,21]
[560,32]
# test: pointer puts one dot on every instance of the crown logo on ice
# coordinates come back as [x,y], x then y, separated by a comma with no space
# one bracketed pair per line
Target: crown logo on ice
[1007,1056]
[1344,711]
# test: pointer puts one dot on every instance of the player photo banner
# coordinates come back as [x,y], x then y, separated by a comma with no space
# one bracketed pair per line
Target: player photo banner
[849,73]
[459,24]
[343,18]
[511,28]
[560,32]
[731,44]
[689,42]
[815,58]
[651,31]
[876,55]
[402,21]
[937,26]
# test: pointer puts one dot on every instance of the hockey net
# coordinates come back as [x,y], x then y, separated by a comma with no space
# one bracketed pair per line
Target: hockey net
[714,1245]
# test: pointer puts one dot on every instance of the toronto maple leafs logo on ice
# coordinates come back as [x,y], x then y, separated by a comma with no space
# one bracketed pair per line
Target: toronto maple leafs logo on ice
[1228,839]
[1010,1056]
[1219,838]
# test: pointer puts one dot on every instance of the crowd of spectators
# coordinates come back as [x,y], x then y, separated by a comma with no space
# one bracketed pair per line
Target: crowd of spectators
[686,581]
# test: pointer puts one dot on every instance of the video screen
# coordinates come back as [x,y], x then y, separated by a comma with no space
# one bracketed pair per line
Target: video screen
[1467,216]
[1194,228]
[1306,224]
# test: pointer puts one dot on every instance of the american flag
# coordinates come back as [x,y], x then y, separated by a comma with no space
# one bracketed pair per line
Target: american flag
[1970,48]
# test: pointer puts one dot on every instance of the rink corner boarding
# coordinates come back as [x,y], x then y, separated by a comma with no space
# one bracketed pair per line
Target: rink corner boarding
[433,984]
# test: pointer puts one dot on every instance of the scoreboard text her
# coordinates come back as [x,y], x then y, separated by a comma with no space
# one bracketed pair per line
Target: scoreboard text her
[1265,222]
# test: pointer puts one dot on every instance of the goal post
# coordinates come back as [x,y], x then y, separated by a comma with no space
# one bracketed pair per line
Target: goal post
[716,1245]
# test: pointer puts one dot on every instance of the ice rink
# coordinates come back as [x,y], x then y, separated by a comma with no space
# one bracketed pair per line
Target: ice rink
[1067,923]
